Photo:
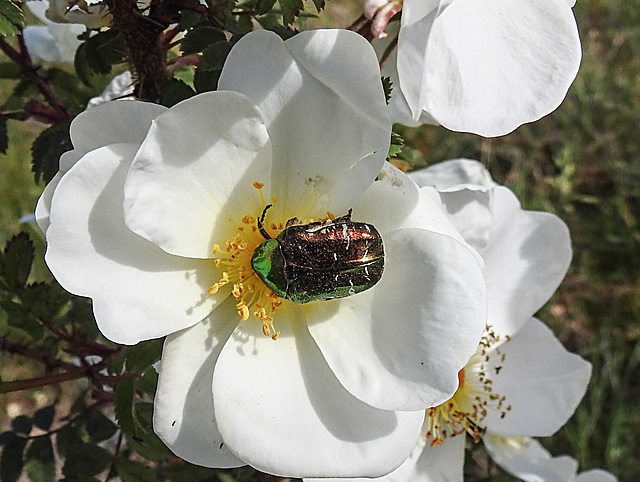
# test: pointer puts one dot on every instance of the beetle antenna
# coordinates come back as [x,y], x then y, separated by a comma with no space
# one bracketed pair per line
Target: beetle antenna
[261,220]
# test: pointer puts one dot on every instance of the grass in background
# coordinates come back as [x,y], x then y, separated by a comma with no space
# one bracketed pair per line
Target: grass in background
[582,163]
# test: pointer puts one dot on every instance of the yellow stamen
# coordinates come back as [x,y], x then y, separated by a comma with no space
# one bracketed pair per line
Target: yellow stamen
[465,411]
[252,296]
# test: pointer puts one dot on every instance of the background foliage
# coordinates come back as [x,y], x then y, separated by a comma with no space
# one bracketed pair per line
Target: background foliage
[582,162]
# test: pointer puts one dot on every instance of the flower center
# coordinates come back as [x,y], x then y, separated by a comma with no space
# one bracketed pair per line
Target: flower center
[253,297]
[465,411]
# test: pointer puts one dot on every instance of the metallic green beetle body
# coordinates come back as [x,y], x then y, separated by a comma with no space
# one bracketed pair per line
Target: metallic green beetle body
[321,260]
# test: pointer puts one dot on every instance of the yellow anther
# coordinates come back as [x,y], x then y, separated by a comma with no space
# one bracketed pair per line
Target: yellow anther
[238,291]
[217,262]
[331,216]
[214,289]
[243,311]
[248,219]
[274,200]
[258,185]
[275,337]
[265,329]
[215,248]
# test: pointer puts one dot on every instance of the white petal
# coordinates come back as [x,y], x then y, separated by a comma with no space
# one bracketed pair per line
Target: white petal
[526,253]
[487,67]
[596,475]
[394,201]
[43,207]
[526,258]
[323,104]
[465,188]
[111,123]
[454,175]
[405,473]
[192,179]
[528,460]
[417,23]
[542,382]
[419,325]
[139,291]
[441,463]
[183,415]
[38,8]
[280,408]
[414,330]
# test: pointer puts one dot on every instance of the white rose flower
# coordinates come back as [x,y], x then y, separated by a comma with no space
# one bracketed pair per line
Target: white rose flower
[155,215]
[528,460]
[481,66]
[51,42]
[521,381]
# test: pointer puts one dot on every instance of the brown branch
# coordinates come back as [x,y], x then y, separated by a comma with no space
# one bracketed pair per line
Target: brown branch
[34,354]
[17,385]
[23,60]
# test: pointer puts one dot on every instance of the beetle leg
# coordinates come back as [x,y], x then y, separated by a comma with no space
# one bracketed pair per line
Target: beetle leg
[261,220]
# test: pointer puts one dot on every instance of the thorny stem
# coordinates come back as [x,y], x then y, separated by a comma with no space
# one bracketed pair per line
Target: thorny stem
[17,385]
[143,36]
[23,60]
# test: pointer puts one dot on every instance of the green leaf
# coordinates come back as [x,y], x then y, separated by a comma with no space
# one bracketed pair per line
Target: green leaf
[200,37]
[189,18]
[11,461]
[134,472]
[98,54]
[86,460]
[46,151]
[66,439]
[149,381]
[264,6]
[43,418]
[20,317]
[4,135]
[11,18]
[141,356]
[214,56]
[146,442]
[206,81]
[16,261]
[284,32]
[45,300]
[175,91]
[81,317]
[81,64]
[290,10]
[40,463]
[123,406]
[22,424]
[397,143]
[387,85]
[98,426]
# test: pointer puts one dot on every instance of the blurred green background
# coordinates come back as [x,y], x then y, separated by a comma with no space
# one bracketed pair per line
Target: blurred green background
[583,163]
